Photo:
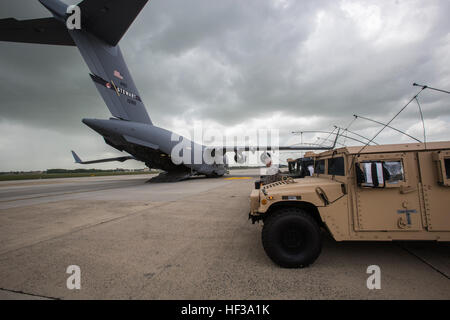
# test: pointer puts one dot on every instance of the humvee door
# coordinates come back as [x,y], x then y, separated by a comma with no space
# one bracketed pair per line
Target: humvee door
[387,193]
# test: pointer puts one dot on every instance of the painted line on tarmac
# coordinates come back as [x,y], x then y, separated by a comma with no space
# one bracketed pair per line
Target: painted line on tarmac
[29,294]
[424,261]
[66,193]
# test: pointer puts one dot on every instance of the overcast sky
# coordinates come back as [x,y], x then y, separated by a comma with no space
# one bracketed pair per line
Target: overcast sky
[233,65]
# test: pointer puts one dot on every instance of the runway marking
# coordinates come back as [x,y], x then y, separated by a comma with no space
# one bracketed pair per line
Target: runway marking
[238,178]
[64,193]
[82,228]
[424,261]
[29,294]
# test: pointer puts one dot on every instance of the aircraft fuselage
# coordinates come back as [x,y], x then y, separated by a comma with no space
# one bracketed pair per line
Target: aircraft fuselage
[155,146]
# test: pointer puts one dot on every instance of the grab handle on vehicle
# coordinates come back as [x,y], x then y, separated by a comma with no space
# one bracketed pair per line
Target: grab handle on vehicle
[322,196]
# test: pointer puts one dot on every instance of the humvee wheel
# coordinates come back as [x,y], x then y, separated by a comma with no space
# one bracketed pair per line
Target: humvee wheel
[292,238]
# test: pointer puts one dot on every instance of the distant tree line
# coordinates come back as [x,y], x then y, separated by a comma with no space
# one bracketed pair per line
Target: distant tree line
[53,171]
[50,171]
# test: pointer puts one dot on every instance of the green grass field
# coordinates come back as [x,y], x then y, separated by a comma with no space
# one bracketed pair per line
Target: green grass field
[32,176]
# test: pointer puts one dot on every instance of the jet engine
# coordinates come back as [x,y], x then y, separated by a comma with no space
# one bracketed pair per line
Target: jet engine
[239,157]
[265,158]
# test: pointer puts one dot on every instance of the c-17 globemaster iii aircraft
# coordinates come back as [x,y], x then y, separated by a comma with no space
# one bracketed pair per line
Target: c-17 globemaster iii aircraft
[103,24]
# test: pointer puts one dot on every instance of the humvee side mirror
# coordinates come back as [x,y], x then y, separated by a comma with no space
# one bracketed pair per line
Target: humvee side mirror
[370,174]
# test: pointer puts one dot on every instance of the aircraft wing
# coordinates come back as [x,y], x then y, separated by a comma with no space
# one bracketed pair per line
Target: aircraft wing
[120,159]
[312,147]
[280,148]
[269,148]
[304,148]
[43,31]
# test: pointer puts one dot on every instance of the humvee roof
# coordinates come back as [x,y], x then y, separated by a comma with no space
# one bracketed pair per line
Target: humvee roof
[430,146]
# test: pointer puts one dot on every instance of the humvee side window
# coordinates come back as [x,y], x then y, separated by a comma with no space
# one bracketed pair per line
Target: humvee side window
[447,167]
[370,174]
[393,171]
[336,166]
[320,166]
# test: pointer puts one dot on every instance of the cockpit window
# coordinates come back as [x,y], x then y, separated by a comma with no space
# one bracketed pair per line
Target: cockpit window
[336,166]
[320,166]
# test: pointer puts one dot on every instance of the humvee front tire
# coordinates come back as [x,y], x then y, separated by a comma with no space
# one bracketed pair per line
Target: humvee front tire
[292,238]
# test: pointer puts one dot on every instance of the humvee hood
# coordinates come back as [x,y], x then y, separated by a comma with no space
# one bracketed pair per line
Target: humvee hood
[312,182]
[313,190]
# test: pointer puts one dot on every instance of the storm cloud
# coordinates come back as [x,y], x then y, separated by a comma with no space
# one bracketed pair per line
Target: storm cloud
[234,65]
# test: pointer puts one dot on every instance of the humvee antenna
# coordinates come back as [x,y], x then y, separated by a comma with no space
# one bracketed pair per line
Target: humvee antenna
[390,121]
[330,134]
[387,126]
[334,142]
[423,123]
[356,134]
[348,126]
[431,88]
[337,137]
[327,140]
[420,108]
[312,144]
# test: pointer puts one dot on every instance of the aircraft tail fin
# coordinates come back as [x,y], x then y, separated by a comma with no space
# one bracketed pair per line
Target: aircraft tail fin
[103,23]
[109,20]
[41,31]
[76,157]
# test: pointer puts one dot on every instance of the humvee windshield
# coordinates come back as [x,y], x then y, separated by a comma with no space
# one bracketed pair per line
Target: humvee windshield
[320,167]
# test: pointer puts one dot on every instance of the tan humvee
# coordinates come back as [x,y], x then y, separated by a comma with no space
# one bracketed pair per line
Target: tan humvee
[384,193]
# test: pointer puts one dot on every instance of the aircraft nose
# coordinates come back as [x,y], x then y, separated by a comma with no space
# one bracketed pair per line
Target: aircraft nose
[88,122]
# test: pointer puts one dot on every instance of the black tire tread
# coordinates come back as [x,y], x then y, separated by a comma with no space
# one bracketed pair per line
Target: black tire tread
[269,247]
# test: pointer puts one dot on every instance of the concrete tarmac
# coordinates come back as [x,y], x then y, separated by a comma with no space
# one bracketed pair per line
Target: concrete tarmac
[185,240]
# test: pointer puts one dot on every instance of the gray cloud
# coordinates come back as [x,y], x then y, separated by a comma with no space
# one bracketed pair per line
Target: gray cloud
[234,63]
